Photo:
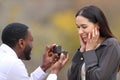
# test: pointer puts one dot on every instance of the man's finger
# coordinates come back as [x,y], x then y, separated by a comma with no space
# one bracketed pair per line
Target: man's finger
[63,58]
[66,59]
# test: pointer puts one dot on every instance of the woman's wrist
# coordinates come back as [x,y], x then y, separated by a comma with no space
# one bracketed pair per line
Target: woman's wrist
[82,50]
[88,49]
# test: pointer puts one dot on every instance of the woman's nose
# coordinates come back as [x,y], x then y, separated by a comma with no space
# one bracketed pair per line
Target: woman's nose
[80,31]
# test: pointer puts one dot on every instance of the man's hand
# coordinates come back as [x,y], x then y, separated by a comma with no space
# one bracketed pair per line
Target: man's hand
[49,58]
[83,44]
[59,64]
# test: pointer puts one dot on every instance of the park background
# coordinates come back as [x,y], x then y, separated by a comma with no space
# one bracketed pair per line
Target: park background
[53,21]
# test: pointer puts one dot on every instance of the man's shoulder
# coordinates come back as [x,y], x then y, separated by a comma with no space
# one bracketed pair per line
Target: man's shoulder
[7,61]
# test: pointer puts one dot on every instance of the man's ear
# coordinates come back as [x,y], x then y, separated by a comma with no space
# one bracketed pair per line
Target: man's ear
[21,43]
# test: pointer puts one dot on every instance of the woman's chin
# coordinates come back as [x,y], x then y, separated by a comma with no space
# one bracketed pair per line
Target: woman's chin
[85,40]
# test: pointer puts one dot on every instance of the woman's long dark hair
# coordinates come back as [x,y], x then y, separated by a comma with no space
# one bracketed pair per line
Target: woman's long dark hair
[95,15]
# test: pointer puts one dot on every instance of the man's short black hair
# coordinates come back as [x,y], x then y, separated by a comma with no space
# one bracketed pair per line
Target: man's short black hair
[13,32]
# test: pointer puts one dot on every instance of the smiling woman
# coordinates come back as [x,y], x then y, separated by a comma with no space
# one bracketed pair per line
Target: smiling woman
[85,27]
[99,53]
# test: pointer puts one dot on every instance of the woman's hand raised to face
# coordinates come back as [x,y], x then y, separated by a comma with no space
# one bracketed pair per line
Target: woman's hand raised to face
[93,39]
[83,45]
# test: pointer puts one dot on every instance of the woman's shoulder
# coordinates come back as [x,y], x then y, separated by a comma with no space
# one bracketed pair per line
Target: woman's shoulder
[112,41]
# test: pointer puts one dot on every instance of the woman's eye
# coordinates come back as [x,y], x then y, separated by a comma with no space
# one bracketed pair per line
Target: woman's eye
[84,26]
[78,26]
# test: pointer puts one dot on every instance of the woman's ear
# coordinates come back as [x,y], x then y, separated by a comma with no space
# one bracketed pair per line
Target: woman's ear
[97,25]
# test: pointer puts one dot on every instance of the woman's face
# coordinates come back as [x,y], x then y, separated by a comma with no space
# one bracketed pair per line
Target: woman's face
[84,27]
